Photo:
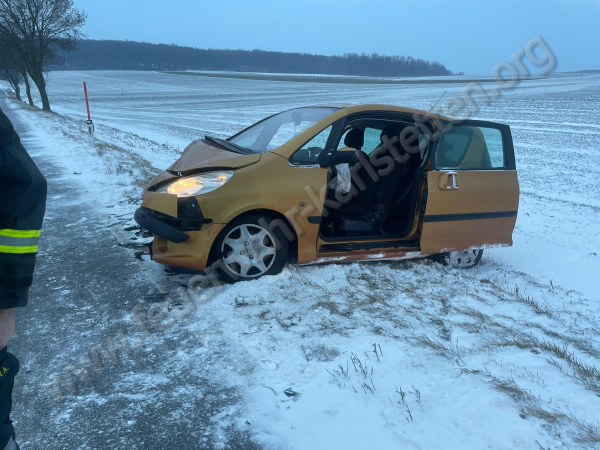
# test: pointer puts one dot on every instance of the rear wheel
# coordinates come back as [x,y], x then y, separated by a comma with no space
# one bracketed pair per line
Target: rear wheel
[466,259]
[249,249]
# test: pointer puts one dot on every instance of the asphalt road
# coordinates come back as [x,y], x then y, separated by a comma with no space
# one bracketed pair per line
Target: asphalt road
[84,289]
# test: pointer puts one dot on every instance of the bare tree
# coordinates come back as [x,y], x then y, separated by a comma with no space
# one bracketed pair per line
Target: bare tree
[37,29]
[9,68]
[25,75]
[11,59]
[14,78]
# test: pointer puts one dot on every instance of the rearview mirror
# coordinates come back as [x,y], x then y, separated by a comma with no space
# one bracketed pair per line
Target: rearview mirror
[330,158]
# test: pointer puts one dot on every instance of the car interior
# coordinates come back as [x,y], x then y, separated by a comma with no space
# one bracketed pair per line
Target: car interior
[385,207]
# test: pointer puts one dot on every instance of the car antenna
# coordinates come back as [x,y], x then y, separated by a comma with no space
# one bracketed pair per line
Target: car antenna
[437,102]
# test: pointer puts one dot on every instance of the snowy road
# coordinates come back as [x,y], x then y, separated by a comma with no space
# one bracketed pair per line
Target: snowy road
[505,356]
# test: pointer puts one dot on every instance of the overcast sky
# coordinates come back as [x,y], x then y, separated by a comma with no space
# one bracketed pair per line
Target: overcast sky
[465,35]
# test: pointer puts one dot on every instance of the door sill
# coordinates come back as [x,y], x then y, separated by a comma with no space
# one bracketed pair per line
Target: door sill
[361,238]
[352,246]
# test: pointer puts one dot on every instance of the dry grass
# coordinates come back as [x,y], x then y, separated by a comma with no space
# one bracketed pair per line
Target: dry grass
[471,312]
[529,405]
[469,327]
[446,349]
[584,344]
[585,374]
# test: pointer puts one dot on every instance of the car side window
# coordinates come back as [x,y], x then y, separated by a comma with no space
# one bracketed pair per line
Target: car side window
[493,140]
[470,147]
[372,140]
[309,152]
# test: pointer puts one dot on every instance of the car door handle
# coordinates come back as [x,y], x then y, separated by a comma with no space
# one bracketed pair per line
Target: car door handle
[448,181]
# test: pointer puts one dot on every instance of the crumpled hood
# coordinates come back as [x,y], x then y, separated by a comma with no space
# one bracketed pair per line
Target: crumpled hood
[200,155]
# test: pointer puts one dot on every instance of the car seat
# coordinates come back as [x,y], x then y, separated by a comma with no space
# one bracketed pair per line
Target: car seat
[366,212]
[355,138]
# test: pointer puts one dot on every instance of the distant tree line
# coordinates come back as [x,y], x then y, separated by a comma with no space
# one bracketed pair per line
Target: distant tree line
[130,55]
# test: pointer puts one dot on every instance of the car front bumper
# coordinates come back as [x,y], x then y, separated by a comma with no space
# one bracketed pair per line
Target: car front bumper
[193,254]
[182,237]
[145,219]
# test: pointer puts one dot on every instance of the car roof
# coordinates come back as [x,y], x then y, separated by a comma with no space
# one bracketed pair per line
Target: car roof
[353,108]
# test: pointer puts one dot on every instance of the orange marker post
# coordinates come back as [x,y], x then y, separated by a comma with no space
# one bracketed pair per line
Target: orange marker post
[89,122]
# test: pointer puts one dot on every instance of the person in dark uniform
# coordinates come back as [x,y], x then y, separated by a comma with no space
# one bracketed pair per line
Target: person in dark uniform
[22,207]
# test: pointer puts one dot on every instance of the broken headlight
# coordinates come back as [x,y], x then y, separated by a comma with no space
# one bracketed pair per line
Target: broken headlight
[197,184]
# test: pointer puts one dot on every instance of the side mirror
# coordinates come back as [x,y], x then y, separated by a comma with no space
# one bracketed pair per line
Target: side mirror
[330,158]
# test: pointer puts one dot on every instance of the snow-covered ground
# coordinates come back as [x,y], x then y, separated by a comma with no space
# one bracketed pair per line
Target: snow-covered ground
[503,356]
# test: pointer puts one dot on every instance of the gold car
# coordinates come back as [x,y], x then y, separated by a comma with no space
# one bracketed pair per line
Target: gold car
[335,183]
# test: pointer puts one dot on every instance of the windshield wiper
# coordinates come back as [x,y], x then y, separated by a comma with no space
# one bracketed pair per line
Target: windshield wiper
[230,145]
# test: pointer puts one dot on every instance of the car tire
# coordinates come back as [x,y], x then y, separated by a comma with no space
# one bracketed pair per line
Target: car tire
[466,259]
[241,253]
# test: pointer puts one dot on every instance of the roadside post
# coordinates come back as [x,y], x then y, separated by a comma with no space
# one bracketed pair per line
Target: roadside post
[90,124]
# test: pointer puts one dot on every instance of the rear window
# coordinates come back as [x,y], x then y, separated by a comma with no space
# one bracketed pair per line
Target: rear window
[470,147]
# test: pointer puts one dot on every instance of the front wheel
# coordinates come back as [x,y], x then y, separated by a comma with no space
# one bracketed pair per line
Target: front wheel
[466,259]
[249,249]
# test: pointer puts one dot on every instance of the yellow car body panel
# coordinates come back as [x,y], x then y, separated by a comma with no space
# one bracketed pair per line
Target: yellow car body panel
[479,193]
[163,203]
[192,254]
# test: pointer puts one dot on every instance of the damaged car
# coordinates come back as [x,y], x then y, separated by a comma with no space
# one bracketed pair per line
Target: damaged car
[335,183]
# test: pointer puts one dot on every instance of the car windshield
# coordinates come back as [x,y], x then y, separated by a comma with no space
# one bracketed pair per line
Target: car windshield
[280,128]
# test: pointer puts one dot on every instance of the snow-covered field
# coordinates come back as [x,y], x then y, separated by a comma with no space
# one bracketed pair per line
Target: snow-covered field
[503,356]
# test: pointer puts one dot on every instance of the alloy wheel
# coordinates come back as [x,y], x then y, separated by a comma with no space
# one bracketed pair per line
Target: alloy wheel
[464,259]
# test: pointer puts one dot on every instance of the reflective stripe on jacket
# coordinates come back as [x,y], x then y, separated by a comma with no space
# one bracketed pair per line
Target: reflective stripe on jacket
[19,241]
